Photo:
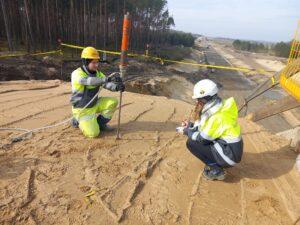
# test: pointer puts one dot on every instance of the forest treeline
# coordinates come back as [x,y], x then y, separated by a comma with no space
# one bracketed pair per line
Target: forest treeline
[280,49]
[36,25]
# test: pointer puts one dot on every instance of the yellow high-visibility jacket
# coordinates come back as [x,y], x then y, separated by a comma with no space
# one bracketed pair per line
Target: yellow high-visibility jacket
[219,128]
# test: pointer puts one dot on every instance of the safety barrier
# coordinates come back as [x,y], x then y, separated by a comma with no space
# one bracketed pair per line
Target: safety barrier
[162,60]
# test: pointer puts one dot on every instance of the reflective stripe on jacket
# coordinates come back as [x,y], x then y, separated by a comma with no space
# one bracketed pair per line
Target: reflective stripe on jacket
[82,94]
[222,131]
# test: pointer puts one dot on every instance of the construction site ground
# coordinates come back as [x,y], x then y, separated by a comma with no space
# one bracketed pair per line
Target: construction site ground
[147,177]
[58,176]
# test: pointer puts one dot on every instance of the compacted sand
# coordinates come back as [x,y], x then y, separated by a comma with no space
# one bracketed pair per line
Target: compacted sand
[147,177]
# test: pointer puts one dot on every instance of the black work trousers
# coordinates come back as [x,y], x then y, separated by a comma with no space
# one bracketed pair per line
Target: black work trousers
[202,151]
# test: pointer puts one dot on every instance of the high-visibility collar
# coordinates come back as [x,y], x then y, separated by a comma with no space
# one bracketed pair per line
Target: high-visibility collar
[85,69]
[209,109]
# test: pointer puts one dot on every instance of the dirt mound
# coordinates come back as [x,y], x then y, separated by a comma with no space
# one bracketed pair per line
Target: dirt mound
[49,68]
[174,87]
[148,177]
[153,78]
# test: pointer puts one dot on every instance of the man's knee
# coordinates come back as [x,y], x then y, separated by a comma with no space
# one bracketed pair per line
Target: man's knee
[114,102]
[91,133]
[90,130]
[109,107]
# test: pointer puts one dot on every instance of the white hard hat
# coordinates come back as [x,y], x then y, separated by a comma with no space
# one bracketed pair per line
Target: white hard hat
[205,88]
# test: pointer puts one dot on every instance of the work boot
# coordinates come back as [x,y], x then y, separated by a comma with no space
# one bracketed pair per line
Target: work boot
[206,169]
[214,173]
[74,123]
[107,128]
[102,122]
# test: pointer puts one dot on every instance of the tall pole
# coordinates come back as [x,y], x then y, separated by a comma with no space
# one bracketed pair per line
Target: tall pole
[123,62]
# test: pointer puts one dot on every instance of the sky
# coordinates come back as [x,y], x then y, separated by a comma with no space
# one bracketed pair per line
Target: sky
[262,20]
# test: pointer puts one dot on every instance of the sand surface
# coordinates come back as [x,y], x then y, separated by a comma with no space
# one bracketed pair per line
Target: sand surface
[147,177]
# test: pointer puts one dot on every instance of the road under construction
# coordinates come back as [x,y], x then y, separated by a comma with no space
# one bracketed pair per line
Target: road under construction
[58,176]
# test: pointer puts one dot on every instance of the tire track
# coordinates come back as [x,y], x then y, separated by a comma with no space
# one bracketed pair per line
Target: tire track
[192,196]
[158,133]
[144,112]
[12,95]
[139,176]
[141,114]
[30,89]
[33,115]
[35,101]
[282,195]
[243,203]
[20,98]
[284,187]
[171,115]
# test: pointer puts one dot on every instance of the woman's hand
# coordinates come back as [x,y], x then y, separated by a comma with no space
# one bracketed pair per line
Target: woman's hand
[184,123]
[180,130]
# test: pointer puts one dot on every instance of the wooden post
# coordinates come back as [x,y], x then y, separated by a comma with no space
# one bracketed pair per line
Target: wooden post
[123,63]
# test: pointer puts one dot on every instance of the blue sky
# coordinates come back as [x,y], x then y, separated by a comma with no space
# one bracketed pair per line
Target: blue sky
[266,20]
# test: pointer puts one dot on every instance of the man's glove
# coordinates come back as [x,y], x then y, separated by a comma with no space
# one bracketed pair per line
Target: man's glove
[115,79]
[120,87]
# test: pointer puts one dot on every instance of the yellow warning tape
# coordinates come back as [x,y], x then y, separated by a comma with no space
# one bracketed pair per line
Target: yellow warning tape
[99,50]
[211,66]
[244,69]
[33,54]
